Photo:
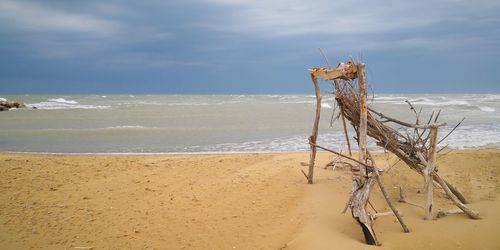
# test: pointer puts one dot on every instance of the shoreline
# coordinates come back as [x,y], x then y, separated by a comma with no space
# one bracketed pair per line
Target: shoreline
[228,201]
[208,153]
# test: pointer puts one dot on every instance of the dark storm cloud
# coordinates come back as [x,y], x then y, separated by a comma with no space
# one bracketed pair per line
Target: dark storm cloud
[243,46]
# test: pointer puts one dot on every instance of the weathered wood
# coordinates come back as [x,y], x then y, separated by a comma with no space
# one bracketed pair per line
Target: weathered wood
[346,134]
[362,184]
[369,167]
[384,214]
[345,71]
[415,166]
[360,196]
[428,172]
[449,212]
[455,191]
[326,74]
[471,213]
[406,124]
[380,183]
[314,135]
[362,136]
[402,195]
[352,101]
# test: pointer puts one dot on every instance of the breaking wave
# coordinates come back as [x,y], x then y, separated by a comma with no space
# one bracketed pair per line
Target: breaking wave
[61,103]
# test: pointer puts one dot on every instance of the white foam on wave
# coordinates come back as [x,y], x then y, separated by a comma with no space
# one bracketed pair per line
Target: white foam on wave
[188,104]
[486,98]
[486,109]
[280,144]
[390,98]
[287,97]
[326,105]
[2,99]
[294,143]
[231,102]
[296,99]
[462,138]
[128,127]
[62,100]
[297,102]
[61,103]
[443,102]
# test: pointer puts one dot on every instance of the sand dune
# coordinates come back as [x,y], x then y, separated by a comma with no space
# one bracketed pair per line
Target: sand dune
[247,201]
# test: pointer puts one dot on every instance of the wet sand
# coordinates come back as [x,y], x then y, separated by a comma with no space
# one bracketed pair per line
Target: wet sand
[235,201]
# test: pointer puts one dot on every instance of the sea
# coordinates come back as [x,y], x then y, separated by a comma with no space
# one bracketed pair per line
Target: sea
[210,124]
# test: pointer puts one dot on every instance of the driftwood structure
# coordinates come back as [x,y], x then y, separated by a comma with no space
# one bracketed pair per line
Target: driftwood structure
[417,148]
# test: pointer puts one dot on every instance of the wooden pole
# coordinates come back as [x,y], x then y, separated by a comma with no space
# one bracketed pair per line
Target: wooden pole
[314,135]
[362,137]
[361,186]
[428,173]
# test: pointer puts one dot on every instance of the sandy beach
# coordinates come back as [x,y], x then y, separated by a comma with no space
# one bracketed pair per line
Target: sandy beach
[233,201]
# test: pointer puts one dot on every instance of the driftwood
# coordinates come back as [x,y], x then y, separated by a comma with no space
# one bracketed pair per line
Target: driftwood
[314,136]
[418,150]
[363,177]
[380,182]
[362,183]
[428,171]
[409,149]
[376,215]
[449,212]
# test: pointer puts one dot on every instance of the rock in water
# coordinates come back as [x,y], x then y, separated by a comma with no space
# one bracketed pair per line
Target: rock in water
[6,105]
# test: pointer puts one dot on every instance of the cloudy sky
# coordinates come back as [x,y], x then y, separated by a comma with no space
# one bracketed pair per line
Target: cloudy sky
[245,46]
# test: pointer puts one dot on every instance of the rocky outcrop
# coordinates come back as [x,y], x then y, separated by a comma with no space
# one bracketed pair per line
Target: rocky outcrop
[6,105]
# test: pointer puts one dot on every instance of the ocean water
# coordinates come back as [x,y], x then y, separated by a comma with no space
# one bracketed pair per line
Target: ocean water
[217,124]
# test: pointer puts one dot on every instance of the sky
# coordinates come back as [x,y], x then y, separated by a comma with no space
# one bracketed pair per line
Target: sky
[245,46]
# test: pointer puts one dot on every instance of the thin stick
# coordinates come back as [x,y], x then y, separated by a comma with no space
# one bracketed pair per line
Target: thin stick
[456,126]
[324,57]
[370,167]
[380,183]
[344,126]
[371,205]
[405,123]
[305,175]
[389,169]
[437,116]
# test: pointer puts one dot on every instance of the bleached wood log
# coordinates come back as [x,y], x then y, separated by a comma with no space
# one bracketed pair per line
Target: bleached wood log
[345,71]
[314,135]
[449,212]
[385,214]
[471,213]
[326,74]
[428,172]
[362,184]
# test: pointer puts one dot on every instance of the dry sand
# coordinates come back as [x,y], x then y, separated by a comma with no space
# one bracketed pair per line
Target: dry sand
[247,201]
